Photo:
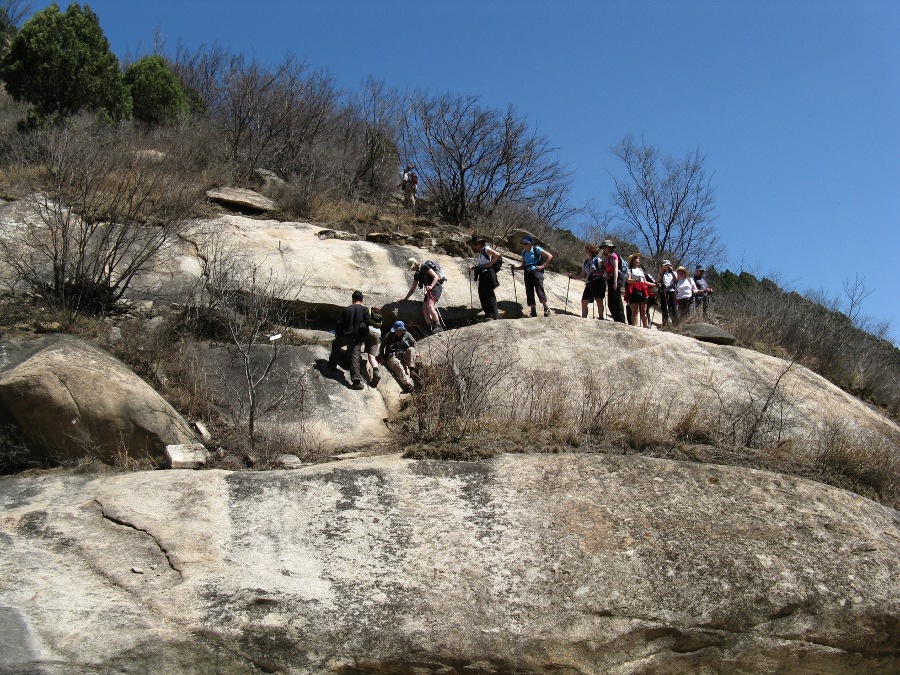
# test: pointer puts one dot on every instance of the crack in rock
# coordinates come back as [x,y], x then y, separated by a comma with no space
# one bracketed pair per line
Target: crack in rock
[123,523]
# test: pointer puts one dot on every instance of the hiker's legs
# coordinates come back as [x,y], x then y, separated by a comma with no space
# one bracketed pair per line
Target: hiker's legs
[529,289]
[614,300]
[395,368]
[371,348]
[635,312]
[355,359]
[584,308]
[645,321]
[487,296]
[339,342]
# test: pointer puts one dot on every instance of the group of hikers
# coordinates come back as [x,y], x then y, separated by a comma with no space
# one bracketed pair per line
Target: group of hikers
[605,273]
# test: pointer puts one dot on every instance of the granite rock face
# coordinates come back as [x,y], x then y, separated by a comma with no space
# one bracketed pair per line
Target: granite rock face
[524,563]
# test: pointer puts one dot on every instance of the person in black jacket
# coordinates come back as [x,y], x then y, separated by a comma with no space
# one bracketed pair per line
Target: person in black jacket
[351,331]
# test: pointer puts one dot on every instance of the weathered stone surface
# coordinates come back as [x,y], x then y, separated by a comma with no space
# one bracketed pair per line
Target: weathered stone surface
[706,332]
[288,462]
[241,198]
[525,563]
[667,376]
[187,456]
[71,400]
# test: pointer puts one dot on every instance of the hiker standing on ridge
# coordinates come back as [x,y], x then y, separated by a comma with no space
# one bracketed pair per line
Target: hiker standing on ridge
[592,273]
[613,281]
[398,353]
[351,331]
[667,279]
[704,290]
[430,277]
[637,291]
[685,289]
[485,270]
[534,261]
[409,183]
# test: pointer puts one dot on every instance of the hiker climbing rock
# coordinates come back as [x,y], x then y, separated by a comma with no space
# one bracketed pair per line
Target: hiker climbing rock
[704,290]
[409,183]
[430,277]
[592,273]
[616,272]
[534,261]
[351,331]
[667,279]
[372,342]
[487,263]
[398,354]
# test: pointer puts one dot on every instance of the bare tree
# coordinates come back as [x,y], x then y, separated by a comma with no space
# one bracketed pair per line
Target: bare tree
[473,158]
[668,203]
[107,202]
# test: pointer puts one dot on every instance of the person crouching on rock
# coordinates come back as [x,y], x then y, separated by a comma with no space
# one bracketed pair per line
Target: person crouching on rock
[485,271]
[351,331]
[534,260]
[398,354]
[426,277]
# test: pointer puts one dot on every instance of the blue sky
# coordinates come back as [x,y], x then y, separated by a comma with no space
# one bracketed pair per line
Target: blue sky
[794,103]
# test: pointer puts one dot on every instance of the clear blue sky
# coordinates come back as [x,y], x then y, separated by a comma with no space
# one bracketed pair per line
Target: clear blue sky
[794,103]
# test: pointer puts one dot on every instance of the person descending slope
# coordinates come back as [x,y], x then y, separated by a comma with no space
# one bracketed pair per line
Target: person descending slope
[534,261]
[398,354]
[351,331]
[430,277]
[409,183]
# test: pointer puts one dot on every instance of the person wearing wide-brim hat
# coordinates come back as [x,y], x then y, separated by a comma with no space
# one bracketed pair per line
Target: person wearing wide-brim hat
[667,279]
[685,289]
[398,354]
[485,273]
[637,291]
[613,283]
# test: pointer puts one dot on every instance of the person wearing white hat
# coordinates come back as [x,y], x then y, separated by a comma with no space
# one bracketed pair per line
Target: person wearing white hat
[667,279]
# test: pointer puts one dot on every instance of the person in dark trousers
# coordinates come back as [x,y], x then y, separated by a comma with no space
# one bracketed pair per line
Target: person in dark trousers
[534,261]
[592,273]
[667,279]
[613,287]
[704,290]
[486,276]
[351,331]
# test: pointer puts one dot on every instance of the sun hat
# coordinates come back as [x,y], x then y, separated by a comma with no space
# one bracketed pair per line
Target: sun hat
[526,240]
[632,257]
[412,262]
[477,238]
[607,243]
[700,268]
[681,268]
[399,326]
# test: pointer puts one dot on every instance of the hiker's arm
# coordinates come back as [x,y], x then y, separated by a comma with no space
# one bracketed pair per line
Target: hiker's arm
[412,289]
[434,279]
[494,258]
[549,257]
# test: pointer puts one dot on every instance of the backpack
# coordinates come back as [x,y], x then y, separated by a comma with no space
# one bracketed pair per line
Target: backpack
[413,178]
[623,270]
[431,265]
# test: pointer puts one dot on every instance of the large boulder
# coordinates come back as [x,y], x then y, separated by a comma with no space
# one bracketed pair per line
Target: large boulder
[71,400]
[706,332]
[241,199]
[524,563]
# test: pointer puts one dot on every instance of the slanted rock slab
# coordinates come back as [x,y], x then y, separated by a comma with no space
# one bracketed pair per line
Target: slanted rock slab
[187,456]
[706,332]
[241,198]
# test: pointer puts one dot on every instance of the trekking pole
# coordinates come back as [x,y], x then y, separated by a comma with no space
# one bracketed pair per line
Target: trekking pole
[566,309]
[515,292]
[471,300]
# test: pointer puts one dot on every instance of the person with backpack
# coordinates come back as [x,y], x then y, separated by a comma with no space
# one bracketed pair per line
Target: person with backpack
[430,277]
[409,183]
[704,290]
[372,342]
[534,261]
[616,273]
[667,279]
[487,263]
[637,292]
[592,273]
[398,354]
[351,331]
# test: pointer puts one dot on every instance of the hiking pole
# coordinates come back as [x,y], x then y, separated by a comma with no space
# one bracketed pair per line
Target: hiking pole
[512,271]
[471,300]
[566,309]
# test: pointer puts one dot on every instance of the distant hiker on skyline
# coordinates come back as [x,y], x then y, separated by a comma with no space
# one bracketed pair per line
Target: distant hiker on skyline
[534,261]
[351,331]
[485,271]
[430,277]
[592,274]
[409,183]
[398,353]
[613,281]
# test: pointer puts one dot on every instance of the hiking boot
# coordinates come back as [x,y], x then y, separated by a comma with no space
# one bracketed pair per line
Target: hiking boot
[547,311]
[357,385]
[436,328]
[533,312]
[376,377]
